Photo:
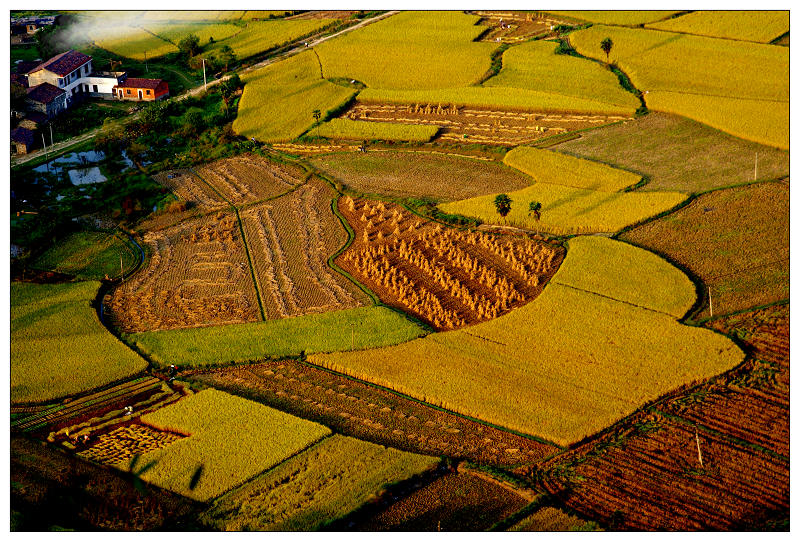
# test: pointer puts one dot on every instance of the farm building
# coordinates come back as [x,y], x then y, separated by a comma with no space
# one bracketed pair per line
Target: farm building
[102,84]
[31,25]
[33,120]
[64,71]
[47,99]
[22,140]
[143,90]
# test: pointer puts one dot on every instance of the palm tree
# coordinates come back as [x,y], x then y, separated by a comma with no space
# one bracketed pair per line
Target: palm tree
[503,204]
[606,45]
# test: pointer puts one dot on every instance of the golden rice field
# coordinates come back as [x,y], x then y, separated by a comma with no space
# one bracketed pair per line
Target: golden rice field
[535,66]
[203,31]
[761,121]
[495,97]
[666,61]
[205,15]
[131,42]
[561,367]
[396,52]
[549,519]
[229,441]
[626,273]
[279,100]
[617,17]
[760,26]
[58,345]
[260,36]
[326,482]
[567,210]
[734,86]
[350,129]
[546,166]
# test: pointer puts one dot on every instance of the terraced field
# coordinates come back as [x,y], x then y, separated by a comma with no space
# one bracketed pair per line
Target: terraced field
[760,26]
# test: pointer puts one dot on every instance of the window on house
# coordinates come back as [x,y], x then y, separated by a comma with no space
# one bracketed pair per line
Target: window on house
[94,88]
[128,91]
[149,92]
[60,82]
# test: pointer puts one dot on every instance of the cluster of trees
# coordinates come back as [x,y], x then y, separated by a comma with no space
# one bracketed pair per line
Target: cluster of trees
[502,204]
[192,50]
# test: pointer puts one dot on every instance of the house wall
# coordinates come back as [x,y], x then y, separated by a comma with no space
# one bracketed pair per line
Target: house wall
[133,94]
[105,85]
[70,83]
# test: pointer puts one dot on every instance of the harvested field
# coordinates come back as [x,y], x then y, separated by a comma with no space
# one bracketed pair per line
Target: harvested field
[484,125]
[250,178]
[312,149]
[191,189]
[447,278]
[680,154]
[562,367]
[51,490]
[359,410]
[120,445]
[416,174]
[735,240]
[454,502]
[230,441]
[649,478]
[515,26]
[197,275]
[290,240]
[320,485]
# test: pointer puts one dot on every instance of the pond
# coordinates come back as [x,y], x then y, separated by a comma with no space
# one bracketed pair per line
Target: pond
[87,175]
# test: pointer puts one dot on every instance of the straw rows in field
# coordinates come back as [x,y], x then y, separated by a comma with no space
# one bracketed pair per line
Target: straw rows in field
[515,26]
[120,445]
[290,241]
[247,178]
[445,277]
[489,126]
[197,275]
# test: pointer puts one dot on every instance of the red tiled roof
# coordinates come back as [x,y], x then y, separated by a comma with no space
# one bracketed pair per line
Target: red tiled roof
[19,78]
[22,135]
[63,64]
[133,82]
[36,116]
[44,93]
[25,66]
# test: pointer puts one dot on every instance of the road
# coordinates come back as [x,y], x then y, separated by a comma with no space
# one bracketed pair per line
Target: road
[57,147]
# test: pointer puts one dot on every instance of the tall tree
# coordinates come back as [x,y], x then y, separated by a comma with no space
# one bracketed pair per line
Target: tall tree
[190,45]
[606,46]
[227,56]
[503,204]
[317,115]
[535,207]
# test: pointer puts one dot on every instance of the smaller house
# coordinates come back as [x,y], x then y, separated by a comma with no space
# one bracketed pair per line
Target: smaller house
[102,84]
[47,99]
[23,140]
[33,120]
[32,24]
[142,90]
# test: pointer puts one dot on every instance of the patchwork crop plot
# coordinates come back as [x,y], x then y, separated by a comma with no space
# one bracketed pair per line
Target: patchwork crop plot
[414,174]
[197,275]
[290,242]
[449,279]
[58,345]
[191,189]
[735,240]
[489,126]
[250,178]
[318,486]
[521,370]
[364,130]
[760,26]
[230,441]
[120,445]
[515,26]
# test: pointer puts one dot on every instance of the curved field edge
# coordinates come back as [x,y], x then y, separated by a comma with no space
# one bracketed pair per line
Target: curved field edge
[359,328]
[58,345]
[562,367]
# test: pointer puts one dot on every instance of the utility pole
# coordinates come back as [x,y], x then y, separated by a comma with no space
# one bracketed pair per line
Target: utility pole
[145,62]
[51,133]
[205,86]
[46,155]
[755,170]
[121,269]
[699,453]
[710,306]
